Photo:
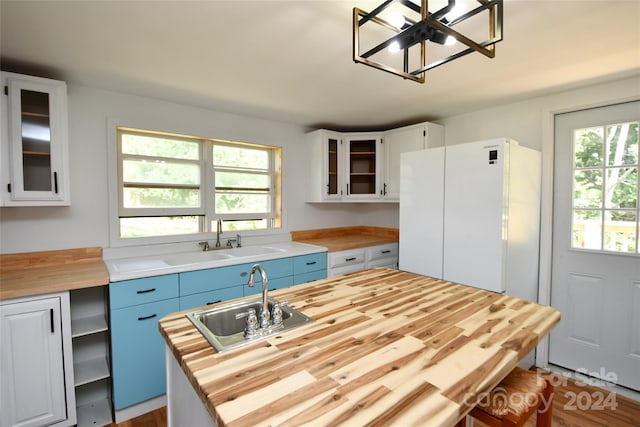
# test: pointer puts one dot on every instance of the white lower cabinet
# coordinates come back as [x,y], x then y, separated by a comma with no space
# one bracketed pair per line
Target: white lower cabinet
[36,362]
[382,256]
[352,260]
[343,262]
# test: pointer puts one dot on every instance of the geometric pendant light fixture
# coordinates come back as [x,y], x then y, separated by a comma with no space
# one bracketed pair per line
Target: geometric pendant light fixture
[407,39]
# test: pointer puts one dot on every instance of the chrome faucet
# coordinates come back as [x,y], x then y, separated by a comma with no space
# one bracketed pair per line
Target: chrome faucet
[264,314]
[218,233]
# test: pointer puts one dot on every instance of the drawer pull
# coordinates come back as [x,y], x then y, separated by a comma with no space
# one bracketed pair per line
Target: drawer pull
[244,274]
[214,302]
[351,259]
[311,263]
[146,291]
[386,252]
[147,317]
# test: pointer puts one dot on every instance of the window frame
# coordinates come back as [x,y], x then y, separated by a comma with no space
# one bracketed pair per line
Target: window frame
[206,211]
[604,168]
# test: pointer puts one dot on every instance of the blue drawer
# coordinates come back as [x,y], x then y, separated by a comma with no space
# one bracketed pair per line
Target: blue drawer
[141,291]
[276,268]
[306,263]
[207,298]
[309,277]
[137,348]
[279,283]
[193,282]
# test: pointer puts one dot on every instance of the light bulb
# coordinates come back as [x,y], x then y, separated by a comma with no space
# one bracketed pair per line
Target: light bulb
[396,20]
[450,41]
[458,10]
[394,47]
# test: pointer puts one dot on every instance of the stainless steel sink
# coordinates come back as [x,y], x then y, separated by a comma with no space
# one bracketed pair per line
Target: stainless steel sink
[224,327]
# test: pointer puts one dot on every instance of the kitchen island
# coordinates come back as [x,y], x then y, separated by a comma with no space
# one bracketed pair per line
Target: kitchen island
[386,347]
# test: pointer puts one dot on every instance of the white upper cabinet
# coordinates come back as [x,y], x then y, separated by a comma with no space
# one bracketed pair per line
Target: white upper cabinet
[401,140]
[325,180]
[363,167]
[34,148]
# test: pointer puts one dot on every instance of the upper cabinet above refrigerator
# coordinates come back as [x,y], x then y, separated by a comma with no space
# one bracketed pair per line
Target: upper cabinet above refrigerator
[34,149]
[363,167]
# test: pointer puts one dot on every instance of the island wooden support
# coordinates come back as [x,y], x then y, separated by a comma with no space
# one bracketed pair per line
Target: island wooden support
[387,347]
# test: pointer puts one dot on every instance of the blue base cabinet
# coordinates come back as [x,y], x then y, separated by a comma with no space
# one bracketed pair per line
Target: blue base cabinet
[138,358]
[307,268]
[137,348]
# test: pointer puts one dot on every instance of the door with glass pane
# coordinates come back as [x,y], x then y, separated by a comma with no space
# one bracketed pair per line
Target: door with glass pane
[37,140]
[596,260]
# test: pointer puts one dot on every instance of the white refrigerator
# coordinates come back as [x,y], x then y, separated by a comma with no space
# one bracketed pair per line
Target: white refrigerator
[470,214]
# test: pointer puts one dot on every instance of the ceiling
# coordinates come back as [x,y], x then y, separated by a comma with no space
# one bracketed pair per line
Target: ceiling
[291,60]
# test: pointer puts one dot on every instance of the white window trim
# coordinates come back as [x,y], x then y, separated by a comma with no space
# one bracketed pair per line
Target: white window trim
[148,242]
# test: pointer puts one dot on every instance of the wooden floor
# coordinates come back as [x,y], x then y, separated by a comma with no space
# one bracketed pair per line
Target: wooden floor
[574,405]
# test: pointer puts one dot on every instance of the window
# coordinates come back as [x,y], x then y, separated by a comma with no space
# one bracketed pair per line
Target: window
[179,185]
[605,188]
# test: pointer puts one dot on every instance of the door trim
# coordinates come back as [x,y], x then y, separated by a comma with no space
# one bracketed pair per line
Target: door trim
[546,207]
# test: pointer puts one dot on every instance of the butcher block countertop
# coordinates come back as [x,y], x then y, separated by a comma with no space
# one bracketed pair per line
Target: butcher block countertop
[343,238]
[386,347]
[38,273]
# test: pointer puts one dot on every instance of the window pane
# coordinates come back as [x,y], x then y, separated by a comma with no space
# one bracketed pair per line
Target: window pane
[240,225]
[622,188]
[240,157]
[160,172]
[620,231]
[134,197]
[587,229]
[156,146]
[242,180]
[241,203]
[159,226]
[587,188]
[588,147]
[622,145]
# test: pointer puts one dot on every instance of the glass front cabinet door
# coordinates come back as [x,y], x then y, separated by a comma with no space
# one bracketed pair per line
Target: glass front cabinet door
[364,162]
[34,141]
[325,154]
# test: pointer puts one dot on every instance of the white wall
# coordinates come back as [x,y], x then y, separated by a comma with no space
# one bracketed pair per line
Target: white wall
[523,121]
[85,223]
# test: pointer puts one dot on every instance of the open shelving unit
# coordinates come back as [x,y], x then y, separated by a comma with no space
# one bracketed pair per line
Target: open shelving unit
[92,375]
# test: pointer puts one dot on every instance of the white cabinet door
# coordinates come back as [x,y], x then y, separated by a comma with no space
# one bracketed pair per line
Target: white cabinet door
[32,390]
[34,142]
[326,168]
[364,166]
[402,140]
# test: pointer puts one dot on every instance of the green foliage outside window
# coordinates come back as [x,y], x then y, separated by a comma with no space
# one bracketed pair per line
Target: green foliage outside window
[605,187]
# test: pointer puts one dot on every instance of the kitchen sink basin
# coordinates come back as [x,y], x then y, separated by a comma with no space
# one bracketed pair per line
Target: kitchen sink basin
[253,250]
[224,326]
[196,257]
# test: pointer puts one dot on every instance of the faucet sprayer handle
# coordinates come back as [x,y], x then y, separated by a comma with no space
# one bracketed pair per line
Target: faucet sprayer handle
[276,314]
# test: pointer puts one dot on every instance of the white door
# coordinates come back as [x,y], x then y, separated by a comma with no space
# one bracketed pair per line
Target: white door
[32,390]
[596,264]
